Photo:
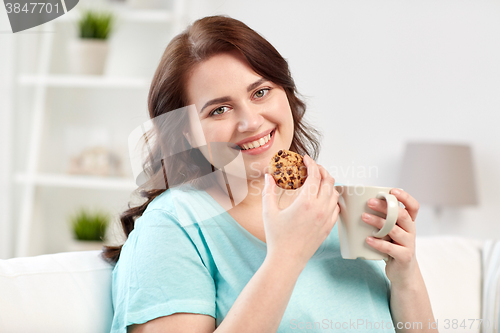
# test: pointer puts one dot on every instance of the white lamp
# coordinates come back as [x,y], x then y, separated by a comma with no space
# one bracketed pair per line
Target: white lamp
[439,175]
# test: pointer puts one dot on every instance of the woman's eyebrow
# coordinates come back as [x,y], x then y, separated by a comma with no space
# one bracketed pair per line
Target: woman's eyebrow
[255,84]
[227,98]
[215,101]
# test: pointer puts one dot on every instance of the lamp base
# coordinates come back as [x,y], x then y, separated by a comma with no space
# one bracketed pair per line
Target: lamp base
[435,227]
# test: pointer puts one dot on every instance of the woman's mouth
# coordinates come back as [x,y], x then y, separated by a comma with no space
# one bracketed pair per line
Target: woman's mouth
[258,146]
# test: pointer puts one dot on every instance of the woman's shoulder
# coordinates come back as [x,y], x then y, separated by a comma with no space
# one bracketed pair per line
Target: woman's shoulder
[160,213]
[183,204]
[162,206]
[162,202]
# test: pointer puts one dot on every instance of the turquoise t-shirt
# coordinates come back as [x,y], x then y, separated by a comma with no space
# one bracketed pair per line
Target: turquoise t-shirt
[187,254]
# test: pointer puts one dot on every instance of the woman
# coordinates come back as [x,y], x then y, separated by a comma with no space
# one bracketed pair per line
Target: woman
[192,263]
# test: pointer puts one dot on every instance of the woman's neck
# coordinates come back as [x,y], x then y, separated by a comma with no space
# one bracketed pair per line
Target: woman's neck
[243,193]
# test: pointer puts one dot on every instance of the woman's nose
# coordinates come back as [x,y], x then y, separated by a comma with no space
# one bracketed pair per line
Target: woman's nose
[250,118]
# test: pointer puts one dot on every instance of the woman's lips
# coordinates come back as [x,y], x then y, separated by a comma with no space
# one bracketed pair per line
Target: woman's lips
[261,149]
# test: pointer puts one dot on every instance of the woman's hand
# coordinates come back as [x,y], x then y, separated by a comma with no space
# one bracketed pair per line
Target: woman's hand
[402,265]
[296,232]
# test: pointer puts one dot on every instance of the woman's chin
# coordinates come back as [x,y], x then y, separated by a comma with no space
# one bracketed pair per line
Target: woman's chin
[256,171]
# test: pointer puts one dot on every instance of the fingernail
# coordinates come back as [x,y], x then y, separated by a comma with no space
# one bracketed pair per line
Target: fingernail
[372,202]
[369,239]
[395,191]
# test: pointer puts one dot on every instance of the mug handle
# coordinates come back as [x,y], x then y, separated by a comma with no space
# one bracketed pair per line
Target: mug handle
[392,214]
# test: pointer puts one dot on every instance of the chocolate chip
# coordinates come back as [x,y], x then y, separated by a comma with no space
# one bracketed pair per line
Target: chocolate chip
[280,181]
[280,152]
[299,177]
[277,172]
[279,165]
[276,159]
[289,172]
[292,178]
[290,184]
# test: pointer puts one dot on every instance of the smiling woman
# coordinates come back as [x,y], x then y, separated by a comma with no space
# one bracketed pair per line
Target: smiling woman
[243,90]
[196,47]
[190,264]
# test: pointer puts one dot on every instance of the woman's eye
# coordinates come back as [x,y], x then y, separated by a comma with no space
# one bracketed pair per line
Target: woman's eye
[219,111]
[261,93]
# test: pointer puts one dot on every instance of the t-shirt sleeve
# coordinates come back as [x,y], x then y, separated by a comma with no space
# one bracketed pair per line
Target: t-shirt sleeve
[160,272]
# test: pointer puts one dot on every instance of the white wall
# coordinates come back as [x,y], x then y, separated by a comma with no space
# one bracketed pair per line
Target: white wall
[6,76]
[377,74]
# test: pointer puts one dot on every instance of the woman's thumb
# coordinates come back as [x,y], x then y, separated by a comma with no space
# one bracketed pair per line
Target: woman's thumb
[269,197]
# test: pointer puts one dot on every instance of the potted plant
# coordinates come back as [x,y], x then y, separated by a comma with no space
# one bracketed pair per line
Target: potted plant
[89,230]
[88,53]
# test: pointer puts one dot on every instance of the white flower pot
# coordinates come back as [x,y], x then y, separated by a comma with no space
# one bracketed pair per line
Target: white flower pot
[87,56]
[78,245]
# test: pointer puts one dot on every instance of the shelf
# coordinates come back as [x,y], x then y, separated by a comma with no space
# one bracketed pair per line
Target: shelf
[94,81]
[142,16]
[46,90]
[77,181]
[128,14]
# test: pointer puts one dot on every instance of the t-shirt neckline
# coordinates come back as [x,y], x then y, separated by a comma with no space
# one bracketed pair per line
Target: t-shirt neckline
[232,220]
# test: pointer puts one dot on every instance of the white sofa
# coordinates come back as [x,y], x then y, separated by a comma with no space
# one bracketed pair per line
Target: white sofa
[70,292]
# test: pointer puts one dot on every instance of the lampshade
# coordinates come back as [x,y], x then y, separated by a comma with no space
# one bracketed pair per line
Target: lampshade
[439,174]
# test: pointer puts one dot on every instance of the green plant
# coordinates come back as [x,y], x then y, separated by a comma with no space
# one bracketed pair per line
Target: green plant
[95,25]
[89,226]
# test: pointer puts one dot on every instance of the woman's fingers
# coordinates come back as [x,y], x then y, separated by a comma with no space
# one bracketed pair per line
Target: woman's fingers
[269,195]
[335,215]
[313,181]
[404,219]
[399,252]
[397,234]
[411,204]
[327,182]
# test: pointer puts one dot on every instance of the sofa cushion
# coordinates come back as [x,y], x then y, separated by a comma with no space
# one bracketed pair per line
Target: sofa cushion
[64,292]
[491,285]
[451,268]
[76,292]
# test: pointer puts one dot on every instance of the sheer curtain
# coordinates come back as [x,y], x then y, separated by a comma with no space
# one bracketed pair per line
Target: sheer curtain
[7,40]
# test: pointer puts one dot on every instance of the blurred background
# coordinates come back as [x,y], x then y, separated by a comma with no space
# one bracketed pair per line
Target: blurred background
[386,82]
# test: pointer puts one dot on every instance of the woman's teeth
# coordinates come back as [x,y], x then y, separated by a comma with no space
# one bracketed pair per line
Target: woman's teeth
[256,143]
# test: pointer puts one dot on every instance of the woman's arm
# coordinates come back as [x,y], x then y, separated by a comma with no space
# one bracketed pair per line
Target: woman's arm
[258,308]
[410,305]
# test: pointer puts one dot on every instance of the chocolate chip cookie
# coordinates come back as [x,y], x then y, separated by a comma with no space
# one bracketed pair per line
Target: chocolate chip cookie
[288,169]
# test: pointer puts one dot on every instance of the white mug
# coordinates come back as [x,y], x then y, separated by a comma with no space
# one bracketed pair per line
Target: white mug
[353,231]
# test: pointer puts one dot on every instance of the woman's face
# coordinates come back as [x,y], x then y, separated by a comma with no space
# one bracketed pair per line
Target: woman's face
[237,105]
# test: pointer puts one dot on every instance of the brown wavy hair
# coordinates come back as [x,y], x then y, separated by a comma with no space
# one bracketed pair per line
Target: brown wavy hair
[203,39]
